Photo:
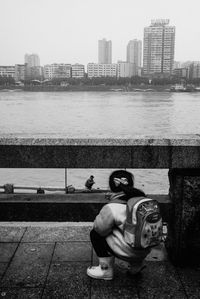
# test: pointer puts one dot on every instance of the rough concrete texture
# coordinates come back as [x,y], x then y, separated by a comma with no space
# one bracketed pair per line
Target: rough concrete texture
[184,228]
[11,234]
[164,140]
[55,267]
[138,152]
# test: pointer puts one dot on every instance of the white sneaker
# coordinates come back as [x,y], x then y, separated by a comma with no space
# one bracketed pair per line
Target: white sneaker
[104,270]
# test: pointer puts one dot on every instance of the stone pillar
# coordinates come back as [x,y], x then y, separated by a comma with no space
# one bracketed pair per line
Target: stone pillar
[183,241]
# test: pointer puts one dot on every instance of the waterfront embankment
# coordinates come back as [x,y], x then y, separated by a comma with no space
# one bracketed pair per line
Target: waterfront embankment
[93,88]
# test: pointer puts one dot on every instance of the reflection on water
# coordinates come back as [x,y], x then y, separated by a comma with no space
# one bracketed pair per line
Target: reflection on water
[95,115]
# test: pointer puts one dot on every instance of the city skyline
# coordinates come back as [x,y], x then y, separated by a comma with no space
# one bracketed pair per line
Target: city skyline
[68,31]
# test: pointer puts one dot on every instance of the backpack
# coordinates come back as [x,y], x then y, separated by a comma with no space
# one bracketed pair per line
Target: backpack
[143,226]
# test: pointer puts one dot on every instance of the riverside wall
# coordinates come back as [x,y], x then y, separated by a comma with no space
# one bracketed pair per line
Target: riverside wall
[180,154]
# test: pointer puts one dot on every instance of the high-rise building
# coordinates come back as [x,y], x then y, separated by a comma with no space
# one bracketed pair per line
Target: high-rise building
[194,70]
[159,43]
[32,60]
[32,67]
[104,51]
[134,52]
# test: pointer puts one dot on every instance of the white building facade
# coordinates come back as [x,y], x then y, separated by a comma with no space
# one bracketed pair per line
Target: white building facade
[57,70]
[20,71]
[78,71]
[126,69]
[7,71]
[101,70]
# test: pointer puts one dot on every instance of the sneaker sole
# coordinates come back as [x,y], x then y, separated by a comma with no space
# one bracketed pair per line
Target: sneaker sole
[102,278]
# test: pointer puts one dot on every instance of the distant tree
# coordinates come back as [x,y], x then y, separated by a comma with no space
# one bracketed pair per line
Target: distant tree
[6,81]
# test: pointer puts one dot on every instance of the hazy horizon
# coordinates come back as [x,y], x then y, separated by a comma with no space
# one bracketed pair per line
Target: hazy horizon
[68,31]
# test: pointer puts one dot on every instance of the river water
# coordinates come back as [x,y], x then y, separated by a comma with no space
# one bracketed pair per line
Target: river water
[95,115]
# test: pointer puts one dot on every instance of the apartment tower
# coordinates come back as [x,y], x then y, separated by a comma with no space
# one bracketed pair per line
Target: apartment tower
[32,60]
[134,52]
[104,51]
[159,43]
[33,70]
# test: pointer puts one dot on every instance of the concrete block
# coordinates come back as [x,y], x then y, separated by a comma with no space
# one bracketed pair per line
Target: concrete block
[150,157]
[138,152]
[49,211]
[183,241]
[185,157]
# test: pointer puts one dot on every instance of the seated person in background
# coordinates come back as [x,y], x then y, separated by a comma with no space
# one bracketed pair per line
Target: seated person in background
[90,182]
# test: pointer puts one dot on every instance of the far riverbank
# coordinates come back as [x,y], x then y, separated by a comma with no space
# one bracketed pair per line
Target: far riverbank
[93,88]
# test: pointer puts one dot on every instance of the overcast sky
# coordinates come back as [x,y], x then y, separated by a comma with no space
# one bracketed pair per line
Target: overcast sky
[68,30]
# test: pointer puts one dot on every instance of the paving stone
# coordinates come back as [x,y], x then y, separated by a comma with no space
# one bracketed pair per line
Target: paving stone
[6,251]
[15,293]
[57,234]
[72,251]
[122,286]
[26,275]
[11,234]
[67,280]
[29,266]
[160,280]
[190,278]
[3,267]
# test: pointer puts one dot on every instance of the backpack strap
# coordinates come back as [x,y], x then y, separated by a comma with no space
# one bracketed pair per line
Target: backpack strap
[132,205]
[129,206]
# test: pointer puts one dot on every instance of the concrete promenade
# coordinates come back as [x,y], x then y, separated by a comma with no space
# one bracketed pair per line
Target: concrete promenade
[49,260]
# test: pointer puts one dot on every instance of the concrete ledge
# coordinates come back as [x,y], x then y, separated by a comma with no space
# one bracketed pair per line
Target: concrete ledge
[140,140]
[138,152]
[62,207]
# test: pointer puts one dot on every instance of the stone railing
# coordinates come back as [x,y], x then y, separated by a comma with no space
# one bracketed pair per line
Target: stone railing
[141,152]
[179,154]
